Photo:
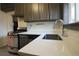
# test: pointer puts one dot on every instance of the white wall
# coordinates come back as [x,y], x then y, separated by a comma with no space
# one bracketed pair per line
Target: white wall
[77,12]
[72,13]
[5,26]
[66,13]
[21,23]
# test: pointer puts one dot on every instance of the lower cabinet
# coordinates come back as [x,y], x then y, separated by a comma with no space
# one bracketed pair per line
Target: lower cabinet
[24,39]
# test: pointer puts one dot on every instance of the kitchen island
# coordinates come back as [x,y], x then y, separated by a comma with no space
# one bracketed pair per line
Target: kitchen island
[40,47]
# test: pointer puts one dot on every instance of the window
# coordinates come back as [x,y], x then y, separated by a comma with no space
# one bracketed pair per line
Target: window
[72,13]
[77,12]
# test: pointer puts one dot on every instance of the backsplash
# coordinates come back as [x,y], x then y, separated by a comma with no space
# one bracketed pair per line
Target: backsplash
[40,26]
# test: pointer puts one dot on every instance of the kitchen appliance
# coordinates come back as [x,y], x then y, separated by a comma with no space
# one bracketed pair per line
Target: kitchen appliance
[13,41]
[19,24]
[13,35]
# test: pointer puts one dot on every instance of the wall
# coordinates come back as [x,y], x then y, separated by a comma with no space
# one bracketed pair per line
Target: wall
[40,26]
[66,13]
[21,23]
[5,27]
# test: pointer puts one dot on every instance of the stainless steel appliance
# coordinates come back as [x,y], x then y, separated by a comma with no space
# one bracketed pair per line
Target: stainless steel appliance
[12,42]
[13,35]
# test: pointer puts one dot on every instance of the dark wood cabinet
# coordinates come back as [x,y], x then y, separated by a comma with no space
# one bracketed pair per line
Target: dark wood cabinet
[54,11]
[43,11]
[28,12]
[35,12]
[7,7]
[31,12]
[19,9]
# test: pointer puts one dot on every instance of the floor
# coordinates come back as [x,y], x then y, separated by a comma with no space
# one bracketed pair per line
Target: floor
[4,52]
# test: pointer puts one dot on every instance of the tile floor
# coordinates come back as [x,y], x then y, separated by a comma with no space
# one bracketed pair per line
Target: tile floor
[4,52]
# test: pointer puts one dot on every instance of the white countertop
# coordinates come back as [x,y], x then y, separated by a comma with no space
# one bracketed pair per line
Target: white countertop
[44,47]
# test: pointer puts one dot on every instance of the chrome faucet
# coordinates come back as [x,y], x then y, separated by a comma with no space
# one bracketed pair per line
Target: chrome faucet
[62,24]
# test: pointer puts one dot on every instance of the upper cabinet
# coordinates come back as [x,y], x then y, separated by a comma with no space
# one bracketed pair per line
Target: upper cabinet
[7,7]
[43,11]
[19,9]
[35,11]
[31,12]
[69,12]
[28,12]
[38,11]
[54,11]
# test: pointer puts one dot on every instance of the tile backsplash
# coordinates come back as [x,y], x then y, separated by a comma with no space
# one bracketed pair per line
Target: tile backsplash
[40,26]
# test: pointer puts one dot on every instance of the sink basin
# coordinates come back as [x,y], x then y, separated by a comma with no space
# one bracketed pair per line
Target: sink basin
[52,37]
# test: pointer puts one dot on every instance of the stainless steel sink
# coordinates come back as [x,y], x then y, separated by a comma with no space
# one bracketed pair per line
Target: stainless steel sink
[52,37]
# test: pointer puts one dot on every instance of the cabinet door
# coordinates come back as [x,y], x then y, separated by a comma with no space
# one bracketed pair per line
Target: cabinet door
[35,12]
[28,12]
[19,9]
[43,11]
[54,11]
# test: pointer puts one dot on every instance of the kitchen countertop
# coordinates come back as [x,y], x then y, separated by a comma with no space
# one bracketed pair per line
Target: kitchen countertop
[41,47]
